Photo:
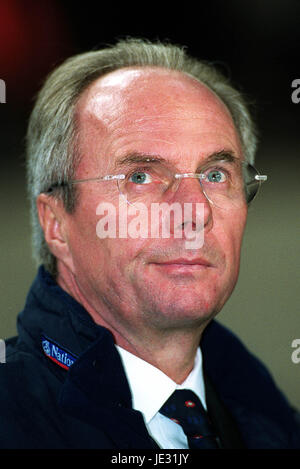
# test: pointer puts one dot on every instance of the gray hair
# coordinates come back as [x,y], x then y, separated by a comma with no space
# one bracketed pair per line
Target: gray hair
[51,137]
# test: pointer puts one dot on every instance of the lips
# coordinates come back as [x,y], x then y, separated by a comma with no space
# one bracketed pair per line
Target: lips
[183,267]
[182,261]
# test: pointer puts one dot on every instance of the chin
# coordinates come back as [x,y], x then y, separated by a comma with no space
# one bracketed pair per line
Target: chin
[187,321]
[181,314]
[183,301]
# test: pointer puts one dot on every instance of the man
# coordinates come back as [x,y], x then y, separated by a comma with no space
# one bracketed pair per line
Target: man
[110,332]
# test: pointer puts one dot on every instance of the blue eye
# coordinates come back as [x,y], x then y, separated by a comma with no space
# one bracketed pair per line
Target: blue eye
[140,177]
[216,176]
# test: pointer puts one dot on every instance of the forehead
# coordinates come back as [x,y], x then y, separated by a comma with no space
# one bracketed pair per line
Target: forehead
[139,105]
[144,89]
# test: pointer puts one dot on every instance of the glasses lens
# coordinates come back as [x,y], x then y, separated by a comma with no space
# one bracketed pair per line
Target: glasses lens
[230,184]
[146,184]
[223,185]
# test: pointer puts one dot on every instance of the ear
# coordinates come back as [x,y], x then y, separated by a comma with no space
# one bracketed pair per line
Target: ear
[53,220]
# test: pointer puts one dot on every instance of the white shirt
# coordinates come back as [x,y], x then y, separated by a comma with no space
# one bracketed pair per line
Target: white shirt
[150,388]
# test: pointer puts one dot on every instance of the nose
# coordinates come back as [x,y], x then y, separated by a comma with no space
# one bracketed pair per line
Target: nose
[190,191]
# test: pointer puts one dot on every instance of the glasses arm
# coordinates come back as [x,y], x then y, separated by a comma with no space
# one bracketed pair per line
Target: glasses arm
[108,177]
[261,177]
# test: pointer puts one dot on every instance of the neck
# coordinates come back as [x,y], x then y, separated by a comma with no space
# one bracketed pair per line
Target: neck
[174,356]
[171,350]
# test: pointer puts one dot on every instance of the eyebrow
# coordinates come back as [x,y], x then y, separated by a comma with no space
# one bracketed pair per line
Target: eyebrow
[222,155]
[134,158]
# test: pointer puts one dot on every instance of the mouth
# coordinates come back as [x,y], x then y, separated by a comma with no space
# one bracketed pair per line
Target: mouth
[183,265]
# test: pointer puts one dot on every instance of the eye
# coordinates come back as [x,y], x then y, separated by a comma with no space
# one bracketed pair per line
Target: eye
[216,176]
[140,177]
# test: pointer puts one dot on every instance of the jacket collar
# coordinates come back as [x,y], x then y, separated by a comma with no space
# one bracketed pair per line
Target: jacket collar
[95,389]
[52,312]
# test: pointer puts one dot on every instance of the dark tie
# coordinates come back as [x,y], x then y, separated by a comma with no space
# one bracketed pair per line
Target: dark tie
[185,408]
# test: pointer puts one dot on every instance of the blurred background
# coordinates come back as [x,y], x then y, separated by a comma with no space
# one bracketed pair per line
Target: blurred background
[257,43]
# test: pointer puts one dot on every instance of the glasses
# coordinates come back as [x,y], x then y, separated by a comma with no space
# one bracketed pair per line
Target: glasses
[226,183]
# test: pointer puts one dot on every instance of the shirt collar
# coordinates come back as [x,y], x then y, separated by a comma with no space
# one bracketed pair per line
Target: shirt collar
[153,387]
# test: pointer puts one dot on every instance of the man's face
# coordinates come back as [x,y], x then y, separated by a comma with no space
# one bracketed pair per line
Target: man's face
[166,114]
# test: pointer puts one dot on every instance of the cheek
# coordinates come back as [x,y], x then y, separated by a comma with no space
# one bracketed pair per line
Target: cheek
[123,256]
[229,232]
[85,247]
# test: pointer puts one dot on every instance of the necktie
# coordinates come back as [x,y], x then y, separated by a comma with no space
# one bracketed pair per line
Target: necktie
[185,408]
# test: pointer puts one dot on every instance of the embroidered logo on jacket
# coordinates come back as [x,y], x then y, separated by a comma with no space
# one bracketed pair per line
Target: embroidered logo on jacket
[57,354]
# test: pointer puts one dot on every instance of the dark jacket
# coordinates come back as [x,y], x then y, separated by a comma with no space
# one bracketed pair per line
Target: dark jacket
[63,384]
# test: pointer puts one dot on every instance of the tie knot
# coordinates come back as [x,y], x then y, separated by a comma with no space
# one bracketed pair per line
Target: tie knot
[183,403]
[185,408]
